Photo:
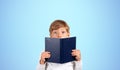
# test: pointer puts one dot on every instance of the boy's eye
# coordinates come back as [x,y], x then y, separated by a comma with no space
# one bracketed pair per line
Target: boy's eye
[55,32]
[63,32]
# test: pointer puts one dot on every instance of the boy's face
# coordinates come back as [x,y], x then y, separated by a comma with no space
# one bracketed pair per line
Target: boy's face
[60,33]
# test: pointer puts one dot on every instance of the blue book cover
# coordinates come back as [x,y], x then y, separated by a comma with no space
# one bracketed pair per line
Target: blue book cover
[60,49]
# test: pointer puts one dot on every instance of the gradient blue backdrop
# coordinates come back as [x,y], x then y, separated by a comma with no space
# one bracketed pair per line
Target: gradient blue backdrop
[25,23]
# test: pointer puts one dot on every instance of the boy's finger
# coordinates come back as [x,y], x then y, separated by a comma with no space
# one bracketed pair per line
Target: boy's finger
[73,49]
[73,53]
[47,52]
[48,56]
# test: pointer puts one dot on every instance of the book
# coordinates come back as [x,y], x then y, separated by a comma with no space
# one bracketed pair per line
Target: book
[60,49]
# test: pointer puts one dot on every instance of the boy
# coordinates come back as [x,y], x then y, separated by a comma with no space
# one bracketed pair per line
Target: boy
[60,29]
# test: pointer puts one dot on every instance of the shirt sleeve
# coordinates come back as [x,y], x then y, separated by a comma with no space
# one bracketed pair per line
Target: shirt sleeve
[78,65]
[40,66]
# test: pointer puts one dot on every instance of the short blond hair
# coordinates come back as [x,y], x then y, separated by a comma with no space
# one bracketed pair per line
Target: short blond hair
[58,24]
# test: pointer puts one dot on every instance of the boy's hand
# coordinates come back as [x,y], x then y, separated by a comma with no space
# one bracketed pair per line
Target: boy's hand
[77,54]
[43,56]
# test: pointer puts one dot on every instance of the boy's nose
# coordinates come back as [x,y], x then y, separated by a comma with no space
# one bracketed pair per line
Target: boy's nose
[59,36]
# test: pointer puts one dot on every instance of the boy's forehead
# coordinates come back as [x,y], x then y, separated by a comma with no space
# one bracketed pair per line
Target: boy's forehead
[61,28]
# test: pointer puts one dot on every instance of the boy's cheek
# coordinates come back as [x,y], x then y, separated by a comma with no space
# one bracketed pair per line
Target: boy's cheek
[53,36]
[66,36]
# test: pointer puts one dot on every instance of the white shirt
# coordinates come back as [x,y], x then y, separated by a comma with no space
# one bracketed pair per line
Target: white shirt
[77,65]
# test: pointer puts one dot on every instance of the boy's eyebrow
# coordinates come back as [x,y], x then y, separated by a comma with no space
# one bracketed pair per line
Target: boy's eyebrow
[63,29]
[54,30]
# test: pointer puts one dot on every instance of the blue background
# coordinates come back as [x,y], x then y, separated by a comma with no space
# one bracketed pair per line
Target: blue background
[25,23]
